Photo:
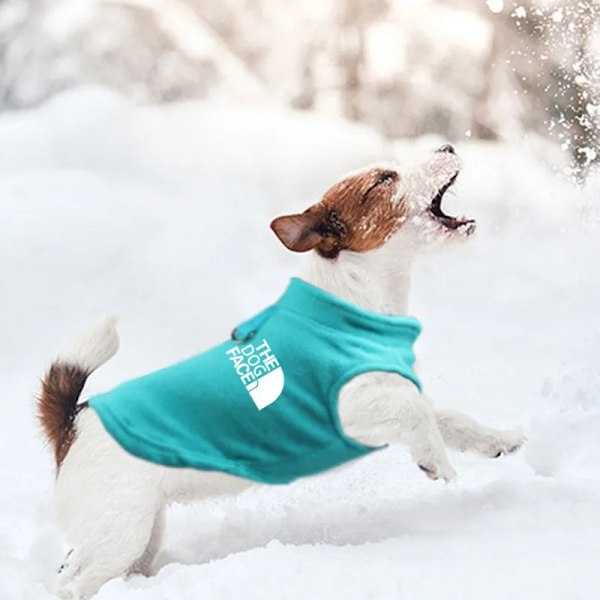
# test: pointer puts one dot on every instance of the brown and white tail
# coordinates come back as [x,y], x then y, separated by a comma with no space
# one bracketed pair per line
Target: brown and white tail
[64,381]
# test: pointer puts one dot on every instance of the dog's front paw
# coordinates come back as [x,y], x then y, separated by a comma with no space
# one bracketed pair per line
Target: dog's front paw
[439,471]
[503,442]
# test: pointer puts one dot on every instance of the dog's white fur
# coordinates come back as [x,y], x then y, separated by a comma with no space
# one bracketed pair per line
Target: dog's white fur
[112,505]
[94,347]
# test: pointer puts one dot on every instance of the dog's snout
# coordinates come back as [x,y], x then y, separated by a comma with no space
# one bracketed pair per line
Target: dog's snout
[449,148]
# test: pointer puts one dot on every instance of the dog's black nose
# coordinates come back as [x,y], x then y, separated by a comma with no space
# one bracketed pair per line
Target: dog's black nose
[449,148]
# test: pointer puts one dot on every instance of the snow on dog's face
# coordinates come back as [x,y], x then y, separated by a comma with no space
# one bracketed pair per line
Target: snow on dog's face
[366,209]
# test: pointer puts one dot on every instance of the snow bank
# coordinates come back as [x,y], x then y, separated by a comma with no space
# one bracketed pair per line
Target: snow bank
[161,215]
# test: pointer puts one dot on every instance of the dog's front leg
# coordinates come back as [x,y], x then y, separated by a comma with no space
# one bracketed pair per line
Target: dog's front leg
[417,427]
[380,408]
[463,433]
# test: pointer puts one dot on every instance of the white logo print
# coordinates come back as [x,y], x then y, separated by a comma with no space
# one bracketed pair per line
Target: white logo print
[259,370]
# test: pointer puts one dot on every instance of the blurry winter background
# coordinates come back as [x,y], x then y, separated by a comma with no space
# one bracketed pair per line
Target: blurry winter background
[146,145]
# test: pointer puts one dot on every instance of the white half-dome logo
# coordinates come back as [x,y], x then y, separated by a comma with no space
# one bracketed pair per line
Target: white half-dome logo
[259,370]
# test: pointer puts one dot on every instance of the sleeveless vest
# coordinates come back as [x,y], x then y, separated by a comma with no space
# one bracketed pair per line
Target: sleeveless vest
[264,404]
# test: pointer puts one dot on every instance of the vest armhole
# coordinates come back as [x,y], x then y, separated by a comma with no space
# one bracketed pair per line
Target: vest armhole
[334,394]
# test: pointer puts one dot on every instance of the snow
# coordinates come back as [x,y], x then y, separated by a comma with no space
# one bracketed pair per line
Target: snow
[161,215]
[496,6]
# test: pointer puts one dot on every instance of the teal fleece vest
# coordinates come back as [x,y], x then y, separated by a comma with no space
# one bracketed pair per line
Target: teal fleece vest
[263,405]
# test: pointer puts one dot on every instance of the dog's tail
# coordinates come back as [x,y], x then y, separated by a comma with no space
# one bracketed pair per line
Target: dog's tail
[62,384]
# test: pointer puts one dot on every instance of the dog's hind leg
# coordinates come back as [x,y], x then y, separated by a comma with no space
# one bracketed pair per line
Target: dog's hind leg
[69,568]
[465,434]
[119,537]
[143,565]
[107,502]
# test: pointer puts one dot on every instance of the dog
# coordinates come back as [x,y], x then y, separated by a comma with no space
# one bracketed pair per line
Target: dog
[362,238]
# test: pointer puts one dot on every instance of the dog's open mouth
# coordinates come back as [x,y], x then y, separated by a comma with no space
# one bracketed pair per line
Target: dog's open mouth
[435,210]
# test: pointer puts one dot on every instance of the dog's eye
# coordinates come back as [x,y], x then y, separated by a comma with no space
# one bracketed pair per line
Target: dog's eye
[383,177]
[386,176]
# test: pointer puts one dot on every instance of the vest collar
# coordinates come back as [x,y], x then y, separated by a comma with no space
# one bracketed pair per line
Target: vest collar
[318,305]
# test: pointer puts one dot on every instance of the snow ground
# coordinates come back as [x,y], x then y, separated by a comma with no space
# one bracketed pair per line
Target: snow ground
[161,215]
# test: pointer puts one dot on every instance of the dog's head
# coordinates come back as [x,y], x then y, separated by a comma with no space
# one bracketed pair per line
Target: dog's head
[368,209]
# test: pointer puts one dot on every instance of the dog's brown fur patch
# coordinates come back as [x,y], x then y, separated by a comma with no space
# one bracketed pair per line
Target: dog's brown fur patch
[57,406]
[359,213]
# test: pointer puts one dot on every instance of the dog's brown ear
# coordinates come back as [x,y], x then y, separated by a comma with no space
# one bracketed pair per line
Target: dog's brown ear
[297,232]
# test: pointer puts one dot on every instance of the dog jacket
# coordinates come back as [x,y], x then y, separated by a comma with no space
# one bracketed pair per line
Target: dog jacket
[264,404]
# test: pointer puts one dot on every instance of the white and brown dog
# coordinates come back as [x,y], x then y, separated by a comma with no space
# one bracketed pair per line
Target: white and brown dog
[364,235]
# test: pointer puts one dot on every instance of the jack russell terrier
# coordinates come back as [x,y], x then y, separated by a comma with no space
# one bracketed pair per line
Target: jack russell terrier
[321,377]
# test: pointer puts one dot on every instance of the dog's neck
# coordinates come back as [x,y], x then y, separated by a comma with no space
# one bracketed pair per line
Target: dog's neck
[377,280]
